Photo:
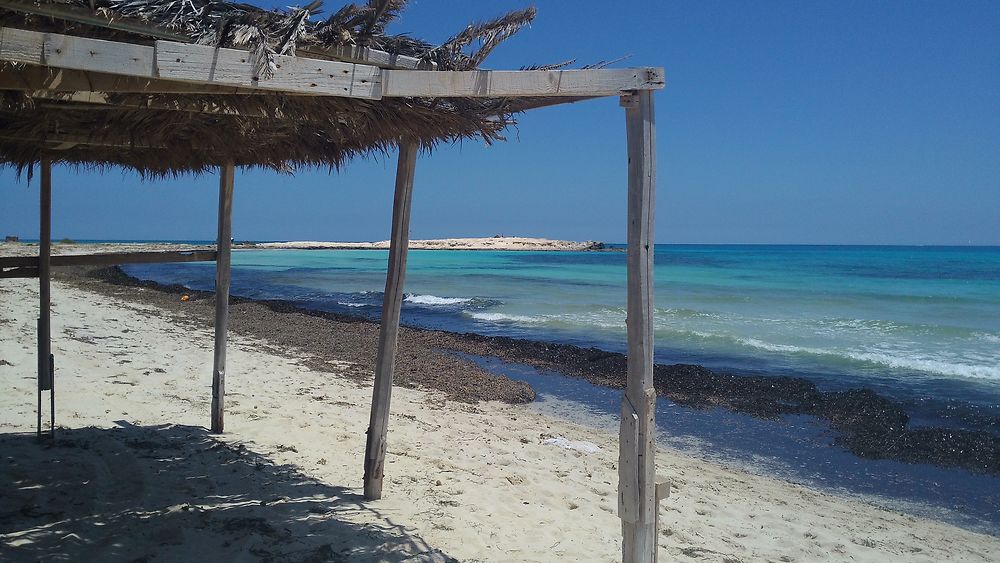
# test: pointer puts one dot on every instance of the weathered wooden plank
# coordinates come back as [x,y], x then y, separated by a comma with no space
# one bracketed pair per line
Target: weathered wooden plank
[662,492]
[518,83]
[392,301]
[67,51]
[662,488]
[223,273]
[628,454]
[198,63]
[113,258]
[639,536]
[367,56]
[189,63]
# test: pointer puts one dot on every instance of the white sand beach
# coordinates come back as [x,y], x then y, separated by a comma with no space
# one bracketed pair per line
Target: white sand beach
[134,475]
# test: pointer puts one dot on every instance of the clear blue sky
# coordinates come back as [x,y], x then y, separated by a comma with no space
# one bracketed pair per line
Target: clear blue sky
[782,122]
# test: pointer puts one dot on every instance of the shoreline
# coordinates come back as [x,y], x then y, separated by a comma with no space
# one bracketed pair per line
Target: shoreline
[867,424]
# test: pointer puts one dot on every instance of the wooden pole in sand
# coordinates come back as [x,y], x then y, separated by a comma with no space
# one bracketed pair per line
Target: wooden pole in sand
[223,273]
[378,426]
[636,468]
[45,292]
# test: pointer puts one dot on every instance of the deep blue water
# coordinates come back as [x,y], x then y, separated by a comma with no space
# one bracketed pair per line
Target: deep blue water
[918,324]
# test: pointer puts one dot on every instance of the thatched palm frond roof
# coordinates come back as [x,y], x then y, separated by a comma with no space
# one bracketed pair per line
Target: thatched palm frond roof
[167,133]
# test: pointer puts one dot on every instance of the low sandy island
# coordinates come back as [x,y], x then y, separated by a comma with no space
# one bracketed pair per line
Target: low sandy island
[491,243]
[134,475]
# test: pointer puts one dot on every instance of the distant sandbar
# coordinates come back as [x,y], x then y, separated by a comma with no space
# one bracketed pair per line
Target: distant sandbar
[490,243]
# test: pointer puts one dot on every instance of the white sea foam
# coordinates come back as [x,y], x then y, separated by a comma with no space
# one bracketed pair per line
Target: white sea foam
[351,304]
[435,300]
[991,372]
[894,359]
[770,347]
[502,317]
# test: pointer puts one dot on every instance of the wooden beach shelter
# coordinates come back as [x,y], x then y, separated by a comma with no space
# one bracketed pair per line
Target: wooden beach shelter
[168,87]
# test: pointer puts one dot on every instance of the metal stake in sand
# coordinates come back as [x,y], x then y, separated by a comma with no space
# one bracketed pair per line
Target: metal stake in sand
[637,504]
[222,277]
[378,426]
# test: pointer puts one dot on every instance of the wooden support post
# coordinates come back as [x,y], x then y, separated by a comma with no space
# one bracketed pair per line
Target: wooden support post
[223,274]
[636,469]
[392,301]
[45,294]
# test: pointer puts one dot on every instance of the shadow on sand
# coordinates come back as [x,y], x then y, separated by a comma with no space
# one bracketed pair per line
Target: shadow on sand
[139,493]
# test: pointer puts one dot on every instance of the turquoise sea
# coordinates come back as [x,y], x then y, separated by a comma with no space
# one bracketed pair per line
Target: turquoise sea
[920,325]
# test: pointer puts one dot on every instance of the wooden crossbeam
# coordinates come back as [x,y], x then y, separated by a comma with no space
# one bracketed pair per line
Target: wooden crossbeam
[519,83]
[182,62]
[111,259]
[207,66]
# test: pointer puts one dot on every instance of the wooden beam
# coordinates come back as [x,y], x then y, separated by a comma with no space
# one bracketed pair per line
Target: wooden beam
[519,83]
[198,63]
[223,275]
[392,301]
[112,258]
[367,56]
[349,53]
[189,63]
[637,470]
